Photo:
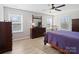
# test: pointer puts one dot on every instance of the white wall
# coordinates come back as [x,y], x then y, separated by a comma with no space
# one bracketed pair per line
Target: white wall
[72,14]
[27,21]
[1,13]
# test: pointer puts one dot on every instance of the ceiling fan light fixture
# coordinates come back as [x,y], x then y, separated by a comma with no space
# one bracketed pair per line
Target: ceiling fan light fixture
[50,11]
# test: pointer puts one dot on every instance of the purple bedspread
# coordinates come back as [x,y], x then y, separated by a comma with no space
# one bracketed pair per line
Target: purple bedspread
[64,39]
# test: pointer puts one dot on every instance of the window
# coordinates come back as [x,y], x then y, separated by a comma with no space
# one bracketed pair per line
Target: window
[66,23]
[17,22]
[49,23]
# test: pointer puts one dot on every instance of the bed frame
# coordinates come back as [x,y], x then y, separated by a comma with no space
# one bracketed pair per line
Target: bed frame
[59,49]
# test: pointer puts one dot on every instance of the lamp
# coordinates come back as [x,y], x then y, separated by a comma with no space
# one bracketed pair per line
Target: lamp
[33,24]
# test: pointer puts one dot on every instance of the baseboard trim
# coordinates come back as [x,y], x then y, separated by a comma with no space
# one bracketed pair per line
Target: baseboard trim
[24,38]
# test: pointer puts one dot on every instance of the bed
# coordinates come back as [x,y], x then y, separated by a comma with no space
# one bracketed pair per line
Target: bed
[64,41]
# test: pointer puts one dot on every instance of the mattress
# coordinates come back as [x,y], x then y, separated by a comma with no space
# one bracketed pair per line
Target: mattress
[66,40]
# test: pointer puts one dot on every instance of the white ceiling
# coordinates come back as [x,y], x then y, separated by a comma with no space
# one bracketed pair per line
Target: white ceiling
[43,8]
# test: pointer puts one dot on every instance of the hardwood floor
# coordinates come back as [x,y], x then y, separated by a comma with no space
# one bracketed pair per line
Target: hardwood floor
[31,46]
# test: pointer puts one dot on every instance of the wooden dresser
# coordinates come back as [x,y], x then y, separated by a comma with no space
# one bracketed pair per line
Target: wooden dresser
[37,32]
[5,36]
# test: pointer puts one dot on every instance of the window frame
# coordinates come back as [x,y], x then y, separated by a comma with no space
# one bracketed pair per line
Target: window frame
[21,22]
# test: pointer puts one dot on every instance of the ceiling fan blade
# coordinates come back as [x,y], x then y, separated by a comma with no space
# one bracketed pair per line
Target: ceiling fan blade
[45,9]
[49,4]
[60,6]
[57,9]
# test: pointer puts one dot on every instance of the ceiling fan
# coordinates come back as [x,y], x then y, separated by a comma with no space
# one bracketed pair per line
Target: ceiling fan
[56,8]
